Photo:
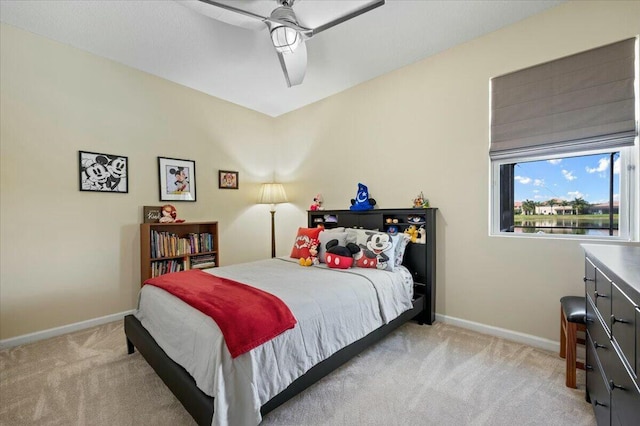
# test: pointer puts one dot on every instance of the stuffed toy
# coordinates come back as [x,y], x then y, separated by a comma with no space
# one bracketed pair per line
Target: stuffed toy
[412,231]
[169,214]
[317,203]
[340,257]
[362,200]
[314,245]
[421,235]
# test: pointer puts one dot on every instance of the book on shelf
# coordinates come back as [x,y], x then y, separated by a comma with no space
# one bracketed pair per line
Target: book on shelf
[167,244]
[162,267]
[203,261]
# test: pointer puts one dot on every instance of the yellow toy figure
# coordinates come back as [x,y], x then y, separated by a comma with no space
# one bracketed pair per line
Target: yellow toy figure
[412,231]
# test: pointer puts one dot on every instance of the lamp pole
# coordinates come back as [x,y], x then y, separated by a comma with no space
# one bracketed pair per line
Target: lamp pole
[273,230]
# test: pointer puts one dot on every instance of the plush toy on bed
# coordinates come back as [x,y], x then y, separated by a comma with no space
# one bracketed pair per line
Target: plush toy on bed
[362,200]
[314,245]
[340,257]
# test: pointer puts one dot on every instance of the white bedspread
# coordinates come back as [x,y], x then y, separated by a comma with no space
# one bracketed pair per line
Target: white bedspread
[333,308]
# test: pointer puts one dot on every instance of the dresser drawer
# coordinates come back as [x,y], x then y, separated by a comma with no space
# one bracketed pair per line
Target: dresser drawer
[597,386]
[625,396]
[637,366]
[602,297]
[598,334]
[590,279]
[623,325]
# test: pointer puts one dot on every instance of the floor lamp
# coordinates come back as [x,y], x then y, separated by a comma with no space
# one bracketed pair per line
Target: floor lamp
[272,193]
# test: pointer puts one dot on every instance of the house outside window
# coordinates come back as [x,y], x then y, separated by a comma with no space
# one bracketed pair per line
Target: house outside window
[564,147]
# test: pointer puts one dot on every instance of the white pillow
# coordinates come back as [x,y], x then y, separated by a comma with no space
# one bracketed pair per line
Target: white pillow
[403,240]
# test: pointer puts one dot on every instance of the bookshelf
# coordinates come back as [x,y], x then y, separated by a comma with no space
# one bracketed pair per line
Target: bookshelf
[172,247]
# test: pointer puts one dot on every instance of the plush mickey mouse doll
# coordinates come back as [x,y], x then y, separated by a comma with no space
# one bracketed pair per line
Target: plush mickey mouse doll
[340,257]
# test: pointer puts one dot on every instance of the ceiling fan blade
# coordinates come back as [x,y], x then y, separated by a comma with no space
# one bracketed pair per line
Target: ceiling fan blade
[294,65]
[348,16]
[235,9]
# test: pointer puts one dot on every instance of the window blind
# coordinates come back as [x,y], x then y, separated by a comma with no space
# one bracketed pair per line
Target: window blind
[576,103]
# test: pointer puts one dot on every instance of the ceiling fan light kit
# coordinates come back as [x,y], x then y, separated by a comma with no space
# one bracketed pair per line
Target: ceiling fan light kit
[285,38]
[288,37]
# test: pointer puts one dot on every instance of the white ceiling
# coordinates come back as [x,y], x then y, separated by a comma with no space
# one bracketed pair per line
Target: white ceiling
[172,40]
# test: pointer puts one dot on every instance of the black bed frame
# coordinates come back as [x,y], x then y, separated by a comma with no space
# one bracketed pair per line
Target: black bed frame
[200,405]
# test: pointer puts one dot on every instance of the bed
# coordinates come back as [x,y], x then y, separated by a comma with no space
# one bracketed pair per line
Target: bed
[177,341]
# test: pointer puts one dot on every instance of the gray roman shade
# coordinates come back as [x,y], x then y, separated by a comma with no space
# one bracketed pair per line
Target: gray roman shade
[580,102]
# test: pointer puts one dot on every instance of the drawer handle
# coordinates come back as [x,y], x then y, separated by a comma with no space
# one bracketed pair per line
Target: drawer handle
[615,320]
[588,367]
[604,296]
[613,386]
[585,279]
[596,403]
[597,345]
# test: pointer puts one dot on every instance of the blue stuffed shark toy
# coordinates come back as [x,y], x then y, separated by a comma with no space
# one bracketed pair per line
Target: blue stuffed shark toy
[362,200]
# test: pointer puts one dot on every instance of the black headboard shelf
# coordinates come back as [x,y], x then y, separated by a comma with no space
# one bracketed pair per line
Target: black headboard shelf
[419,258]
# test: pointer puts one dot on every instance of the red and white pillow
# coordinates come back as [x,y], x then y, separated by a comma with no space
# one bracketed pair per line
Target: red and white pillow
[303,242]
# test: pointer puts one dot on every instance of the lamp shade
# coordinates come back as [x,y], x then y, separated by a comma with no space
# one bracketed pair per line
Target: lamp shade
[272,193]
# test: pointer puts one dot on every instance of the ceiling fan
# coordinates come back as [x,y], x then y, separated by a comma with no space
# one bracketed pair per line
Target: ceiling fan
[288,36]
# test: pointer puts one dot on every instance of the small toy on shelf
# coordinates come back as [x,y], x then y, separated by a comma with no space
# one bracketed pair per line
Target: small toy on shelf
[169,214]
[420,201]
[417,219]
[421,235]
[317,203]
[412,232]
[362,200]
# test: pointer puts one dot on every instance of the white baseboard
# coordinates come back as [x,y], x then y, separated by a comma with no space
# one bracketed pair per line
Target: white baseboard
[52,332]
[527,339]
[515,336]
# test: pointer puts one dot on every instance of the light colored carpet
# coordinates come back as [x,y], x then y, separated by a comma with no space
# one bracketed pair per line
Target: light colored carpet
[423,375]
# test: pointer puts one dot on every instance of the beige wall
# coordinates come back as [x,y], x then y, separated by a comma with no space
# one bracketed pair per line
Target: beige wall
[69,256]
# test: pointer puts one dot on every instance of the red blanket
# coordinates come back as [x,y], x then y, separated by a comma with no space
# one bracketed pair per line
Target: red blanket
[247,316]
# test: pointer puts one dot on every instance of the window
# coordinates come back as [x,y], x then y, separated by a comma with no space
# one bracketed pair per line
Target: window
[564,146]
[581,195]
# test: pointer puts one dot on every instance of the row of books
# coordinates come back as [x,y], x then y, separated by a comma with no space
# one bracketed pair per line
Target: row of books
[203,261]
[167,244]
[165,266]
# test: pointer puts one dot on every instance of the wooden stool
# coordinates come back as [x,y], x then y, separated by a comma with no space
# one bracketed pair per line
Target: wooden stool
[572,320]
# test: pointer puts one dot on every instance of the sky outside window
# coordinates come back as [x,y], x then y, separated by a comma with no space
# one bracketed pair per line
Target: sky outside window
[569,178]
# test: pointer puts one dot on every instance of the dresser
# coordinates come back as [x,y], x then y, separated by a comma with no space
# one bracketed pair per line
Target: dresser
[612,287]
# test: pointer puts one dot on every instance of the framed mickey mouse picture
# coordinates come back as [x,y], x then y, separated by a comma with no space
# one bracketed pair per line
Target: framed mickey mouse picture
[177,179]
[103,172]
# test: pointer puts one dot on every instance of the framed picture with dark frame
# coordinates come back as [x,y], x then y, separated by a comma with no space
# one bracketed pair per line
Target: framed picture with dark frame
[228,179]
[177,179]
[103,172]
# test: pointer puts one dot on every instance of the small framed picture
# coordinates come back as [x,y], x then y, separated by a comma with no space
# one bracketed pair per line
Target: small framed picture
[151,214]
[177,179]
[228,179]
[103,172]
